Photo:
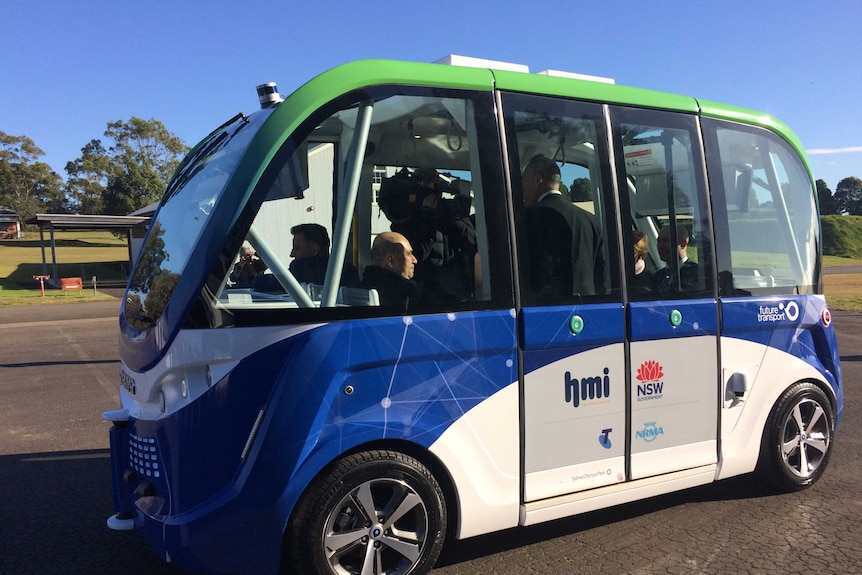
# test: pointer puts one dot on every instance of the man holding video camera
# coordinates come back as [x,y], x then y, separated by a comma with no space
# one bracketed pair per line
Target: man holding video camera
[439,228]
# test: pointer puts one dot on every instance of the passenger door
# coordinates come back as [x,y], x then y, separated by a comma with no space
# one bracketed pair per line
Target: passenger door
[616,387]
[672,317]
[571,332]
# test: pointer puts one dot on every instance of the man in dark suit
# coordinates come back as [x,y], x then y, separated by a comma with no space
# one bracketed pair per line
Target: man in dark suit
[565,243]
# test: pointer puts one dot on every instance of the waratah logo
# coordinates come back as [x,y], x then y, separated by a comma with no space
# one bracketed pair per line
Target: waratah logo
[650,371]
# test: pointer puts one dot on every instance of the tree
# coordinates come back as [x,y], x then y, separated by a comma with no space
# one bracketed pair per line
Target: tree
[128,175]
[581,190]
[27,185]
[86,178]
[827,201]
[848,196]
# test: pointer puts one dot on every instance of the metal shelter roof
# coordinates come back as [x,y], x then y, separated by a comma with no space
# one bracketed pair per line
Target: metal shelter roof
[83,222]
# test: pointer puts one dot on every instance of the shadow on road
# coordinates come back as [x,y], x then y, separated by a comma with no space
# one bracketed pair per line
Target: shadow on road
[454,552]
[54,507]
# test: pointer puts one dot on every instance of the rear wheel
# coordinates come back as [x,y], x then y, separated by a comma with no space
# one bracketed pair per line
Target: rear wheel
[371,513]
[797,441]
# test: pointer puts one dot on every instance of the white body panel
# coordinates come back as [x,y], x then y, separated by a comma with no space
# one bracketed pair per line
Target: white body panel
[743,419]
[181,375]
[481,453]
[574,423]
[674,410]
[583,502]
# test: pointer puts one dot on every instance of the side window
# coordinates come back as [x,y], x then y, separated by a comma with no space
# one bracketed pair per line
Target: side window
[380,207]
[766,218]
[667,211]
[565,223]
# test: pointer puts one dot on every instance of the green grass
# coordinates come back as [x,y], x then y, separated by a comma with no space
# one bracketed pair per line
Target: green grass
[843,292]
[80,254]
[840,261]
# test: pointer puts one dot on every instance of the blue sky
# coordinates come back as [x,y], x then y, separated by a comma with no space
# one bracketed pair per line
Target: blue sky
[69,68]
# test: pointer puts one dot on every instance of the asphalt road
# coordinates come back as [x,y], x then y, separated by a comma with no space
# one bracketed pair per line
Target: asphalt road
[59,371]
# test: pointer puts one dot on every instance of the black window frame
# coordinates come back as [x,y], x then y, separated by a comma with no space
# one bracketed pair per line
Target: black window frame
[204,315]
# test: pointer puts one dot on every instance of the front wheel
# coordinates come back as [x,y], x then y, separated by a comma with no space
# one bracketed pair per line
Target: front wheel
[797,441]
[371,513]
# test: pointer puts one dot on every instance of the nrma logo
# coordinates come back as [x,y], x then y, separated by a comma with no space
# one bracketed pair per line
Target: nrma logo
[650,387]
[650,432]
[588,390]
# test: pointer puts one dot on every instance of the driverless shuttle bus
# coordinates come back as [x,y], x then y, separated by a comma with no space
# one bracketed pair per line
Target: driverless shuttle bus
[301,415]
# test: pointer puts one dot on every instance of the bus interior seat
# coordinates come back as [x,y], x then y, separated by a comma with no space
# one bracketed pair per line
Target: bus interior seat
[357,296]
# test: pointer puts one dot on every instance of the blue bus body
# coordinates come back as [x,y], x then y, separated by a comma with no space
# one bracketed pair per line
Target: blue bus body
[259,427]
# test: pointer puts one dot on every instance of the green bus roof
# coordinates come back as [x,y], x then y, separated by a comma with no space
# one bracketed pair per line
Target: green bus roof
[369,73]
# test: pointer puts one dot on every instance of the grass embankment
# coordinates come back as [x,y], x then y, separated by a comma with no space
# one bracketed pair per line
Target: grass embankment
[842,236]
[78,253]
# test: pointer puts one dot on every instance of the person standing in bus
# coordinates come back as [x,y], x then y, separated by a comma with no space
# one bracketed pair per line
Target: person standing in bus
[391,270]
[566,247]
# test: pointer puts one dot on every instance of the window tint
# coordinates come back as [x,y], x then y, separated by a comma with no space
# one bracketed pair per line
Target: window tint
[381,209]
[564,218]
[768,223]
[668,215]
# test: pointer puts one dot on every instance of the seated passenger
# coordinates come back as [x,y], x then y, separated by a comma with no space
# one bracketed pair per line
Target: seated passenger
[643,279]
[246,268]
[310,255]
[688,272]
[391,270]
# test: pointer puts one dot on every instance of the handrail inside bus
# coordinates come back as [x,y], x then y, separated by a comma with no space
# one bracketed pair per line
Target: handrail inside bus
[346,204]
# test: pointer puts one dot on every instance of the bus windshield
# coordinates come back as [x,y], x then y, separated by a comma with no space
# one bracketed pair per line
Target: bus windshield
[174,232]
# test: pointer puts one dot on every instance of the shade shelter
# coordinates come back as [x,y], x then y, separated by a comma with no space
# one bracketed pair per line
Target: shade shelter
[133,226]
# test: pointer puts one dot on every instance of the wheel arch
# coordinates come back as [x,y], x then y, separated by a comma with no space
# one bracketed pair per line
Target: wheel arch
[766,467]
[434,465]
[417,452]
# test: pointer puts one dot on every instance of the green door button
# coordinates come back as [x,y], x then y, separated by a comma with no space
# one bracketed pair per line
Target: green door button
[675,318]
[576,324]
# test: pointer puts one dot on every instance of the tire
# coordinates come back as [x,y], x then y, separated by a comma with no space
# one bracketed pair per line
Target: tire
[376,512]
[797,440]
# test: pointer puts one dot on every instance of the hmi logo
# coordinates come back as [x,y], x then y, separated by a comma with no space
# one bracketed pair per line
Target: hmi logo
[587,389]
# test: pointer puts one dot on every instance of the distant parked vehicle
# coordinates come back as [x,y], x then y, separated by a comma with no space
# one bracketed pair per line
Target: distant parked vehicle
[10,225]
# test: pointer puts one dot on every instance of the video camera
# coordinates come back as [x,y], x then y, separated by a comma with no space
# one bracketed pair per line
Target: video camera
[420,193]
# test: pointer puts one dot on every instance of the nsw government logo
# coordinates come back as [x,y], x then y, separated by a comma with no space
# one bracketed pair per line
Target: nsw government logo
[650,432]
[651,386]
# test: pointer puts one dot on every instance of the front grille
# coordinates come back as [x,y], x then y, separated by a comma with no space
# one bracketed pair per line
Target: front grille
[142,455]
